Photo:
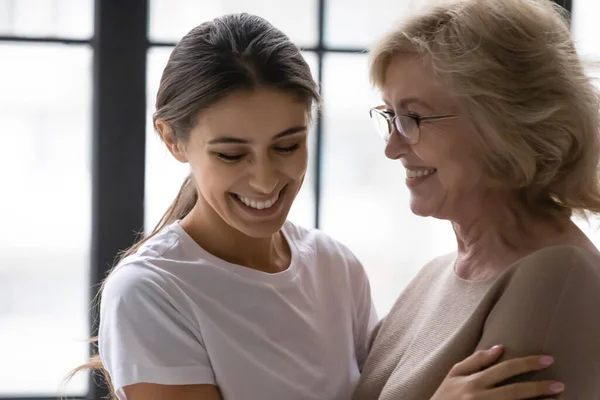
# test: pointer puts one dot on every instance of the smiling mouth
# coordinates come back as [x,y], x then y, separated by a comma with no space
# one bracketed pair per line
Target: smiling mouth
[420,173]
[265,204]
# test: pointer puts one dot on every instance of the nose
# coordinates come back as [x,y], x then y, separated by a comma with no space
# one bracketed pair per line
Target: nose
[264,176]
[396,146]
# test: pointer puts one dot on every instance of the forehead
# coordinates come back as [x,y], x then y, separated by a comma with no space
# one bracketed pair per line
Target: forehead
[247,114]
[409,76]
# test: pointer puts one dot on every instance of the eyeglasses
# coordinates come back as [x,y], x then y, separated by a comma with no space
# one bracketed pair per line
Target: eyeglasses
[408,125]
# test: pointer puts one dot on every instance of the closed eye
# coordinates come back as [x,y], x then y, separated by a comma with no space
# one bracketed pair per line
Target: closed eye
[288,149]
[230,157]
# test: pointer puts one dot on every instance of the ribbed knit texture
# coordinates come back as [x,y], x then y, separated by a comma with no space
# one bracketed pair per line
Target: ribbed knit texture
[547,303]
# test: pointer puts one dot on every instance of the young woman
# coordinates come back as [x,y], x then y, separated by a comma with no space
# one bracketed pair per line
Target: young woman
[225,299]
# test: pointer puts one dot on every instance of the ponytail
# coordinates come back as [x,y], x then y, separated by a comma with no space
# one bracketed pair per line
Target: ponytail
[182,205]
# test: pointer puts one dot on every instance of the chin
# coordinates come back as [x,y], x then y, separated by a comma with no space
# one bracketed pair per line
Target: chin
[257,228]
[422,208]
[263,230]
[418,207]
[420,212]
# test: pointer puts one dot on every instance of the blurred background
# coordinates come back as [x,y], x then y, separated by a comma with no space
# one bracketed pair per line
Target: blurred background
[81,169]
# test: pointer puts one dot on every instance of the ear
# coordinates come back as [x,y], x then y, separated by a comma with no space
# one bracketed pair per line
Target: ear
[176,148]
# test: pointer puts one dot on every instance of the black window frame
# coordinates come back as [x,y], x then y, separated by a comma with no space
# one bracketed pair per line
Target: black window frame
[120,46]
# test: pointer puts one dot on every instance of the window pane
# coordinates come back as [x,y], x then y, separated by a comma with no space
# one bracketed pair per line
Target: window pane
[357,23]
[365,201]
[57,18]
[303,210]
[45,211]
[164,174]
[585,31]
[170,20]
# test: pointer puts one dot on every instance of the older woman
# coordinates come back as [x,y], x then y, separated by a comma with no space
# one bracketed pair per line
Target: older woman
[488,108]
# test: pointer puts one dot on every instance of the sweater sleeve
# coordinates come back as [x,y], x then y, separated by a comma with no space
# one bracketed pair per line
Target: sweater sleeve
[551,305]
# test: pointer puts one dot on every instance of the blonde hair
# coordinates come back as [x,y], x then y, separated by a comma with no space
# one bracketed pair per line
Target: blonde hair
[514,70]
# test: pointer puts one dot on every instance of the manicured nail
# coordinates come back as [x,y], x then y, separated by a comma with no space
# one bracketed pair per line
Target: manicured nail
[495,349]
[557,387]
[546,360]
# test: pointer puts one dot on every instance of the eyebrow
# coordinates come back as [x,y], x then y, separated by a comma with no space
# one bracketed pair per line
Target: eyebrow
[404,103]
[231,139]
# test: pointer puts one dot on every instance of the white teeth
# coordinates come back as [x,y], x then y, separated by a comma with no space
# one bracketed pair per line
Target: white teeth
[419,173]
[259,205]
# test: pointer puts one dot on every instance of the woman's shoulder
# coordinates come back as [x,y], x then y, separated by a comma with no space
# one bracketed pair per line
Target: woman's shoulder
[151,269]
[159,245]
[137,277]
[319,249]
[547,304]
[557,264]
[558,277]
[315,240]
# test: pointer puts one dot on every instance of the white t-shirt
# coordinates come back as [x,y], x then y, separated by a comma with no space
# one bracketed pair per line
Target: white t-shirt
[174,314]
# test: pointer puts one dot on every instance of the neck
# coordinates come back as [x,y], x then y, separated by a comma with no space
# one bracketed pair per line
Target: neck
[492,237]
[268,254]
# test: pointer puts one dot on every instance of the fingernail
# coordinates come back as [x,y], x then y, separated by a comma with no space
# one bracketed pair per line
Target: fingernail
[557,387]
[546,360]
[495,349]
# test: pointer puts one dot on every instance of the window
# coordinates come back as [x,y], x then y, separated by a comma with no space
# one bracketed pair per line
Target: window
[169,20]
[585,30]
[365,201]
[357,23]
[45,207]
[47,18]
[45,108]
[59,160]
[164,174]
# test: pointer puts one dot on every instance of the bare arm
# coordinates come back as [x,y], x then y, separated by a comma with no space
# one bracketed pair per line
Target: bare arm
[150,391]
[478,378]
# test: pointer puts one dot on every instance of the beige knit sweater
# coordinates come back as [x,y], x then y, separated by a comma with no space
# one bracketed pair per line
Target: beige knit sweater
[546,303]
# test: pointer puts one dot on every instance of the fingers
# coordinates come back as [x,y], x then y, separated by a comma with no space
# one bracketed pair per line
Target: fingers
[509,368]
[476,362]
[526,390]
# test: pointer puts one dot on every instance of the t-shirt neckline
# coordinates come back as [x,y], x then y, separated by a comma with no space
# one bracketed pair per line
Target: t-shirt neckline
[277,278]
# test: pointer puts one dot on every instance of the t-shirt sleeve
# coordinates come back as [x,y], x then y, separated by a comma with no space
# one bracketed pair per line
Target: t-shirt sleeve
[145,335]
[366,318]
[553,308]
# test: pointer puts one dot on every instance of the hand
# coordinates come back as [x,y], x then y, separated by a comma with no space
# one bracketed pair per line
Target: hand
[471,379]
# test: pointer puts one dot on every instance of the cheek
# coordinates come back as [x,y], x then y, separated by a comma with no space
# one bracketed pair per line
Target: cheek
[295,165]
[213,176]
[460,175]
[434,151]
[465,159]
[453,157]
